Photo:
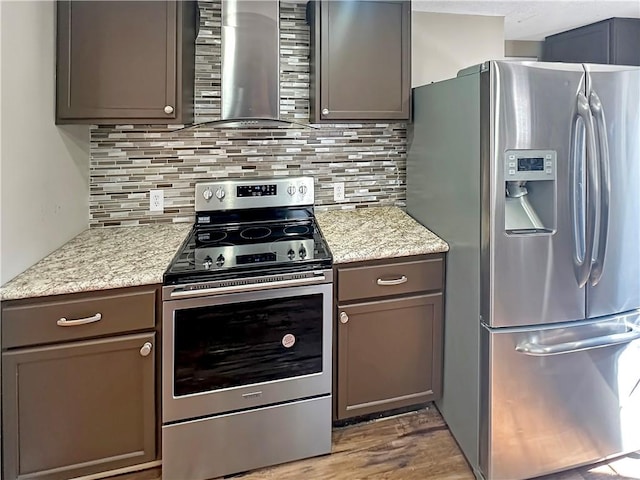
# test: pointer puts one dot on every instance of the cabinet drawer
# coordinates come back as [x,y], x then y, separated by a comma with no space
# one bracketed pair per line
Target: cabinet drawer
[390,279]
[72,318]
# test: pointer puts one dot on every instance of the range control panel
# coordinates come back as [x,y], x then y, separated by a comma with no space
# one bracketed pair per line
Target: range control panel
[256,190]
[530,165]
[234,194]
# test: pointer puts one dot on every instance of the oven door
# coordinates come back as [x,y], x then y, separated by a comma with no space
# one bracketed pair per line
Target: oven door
[236,351]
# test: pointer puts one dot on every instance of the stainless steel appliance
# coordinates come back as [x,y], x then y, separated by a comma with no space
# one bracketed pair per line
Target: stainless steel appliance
[530,171]
[246,347]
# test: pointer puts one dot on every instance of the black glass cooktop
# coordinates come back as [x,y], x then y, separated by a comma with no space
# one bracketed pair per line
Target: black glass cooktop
[235,250]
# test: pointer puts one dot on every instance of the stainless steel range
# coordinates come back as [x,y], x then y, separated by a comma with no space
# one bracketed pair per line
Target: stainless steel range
[246,346]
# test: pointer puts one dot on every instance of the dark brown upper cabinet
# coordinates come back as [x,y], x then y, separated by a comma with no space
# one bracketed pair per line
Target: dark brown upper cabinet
[125,62]
[360,60]
[615,41]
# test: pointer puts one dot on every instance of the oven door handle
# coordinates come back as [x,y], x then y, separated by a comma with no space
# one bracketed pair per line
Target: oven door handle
[180,292]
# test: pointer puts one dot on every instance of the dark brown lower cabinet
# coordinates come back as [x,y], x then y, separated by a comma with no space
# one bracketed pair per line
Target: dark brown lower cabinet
[79,408]
[388,335]
[386,354]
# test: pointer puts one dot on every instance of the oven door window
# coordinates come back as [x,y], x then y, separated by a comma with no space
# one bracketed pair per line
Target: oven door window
[223,346]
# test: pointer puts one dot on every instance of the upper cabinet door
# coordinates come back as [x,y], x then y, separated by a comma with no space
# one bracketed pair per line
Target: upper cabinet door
[360,54]
[122,61]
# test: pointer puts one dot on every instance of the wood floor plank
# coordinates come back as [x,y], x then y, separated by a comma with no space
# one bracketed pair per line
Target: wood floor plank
[413,446]
[407,447]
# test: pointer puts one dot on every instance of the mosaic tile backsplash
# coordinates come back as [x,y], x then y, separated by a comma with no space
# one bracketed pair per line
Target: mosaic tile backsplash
[128,161]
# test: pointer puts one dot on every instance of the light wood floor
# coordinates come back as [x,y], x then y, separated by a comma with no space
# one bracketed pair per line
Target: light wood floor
[413,446]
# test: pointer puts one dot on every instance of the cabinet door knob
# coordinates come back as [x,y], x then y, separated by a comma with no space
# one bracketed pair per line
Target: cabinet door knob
[325,111]
[344,318]
[168,109]
[146,349]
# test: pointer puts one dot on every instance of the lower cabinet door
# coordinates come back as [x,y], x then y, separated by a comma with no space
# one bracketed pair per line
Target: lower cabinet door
[79,408]
[389,354]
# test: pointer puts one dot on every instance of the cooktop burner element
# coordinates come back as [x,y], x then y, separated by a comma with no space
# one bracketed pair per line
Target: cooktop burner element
[296,230]
[212,236]
[255,233]
[251,227]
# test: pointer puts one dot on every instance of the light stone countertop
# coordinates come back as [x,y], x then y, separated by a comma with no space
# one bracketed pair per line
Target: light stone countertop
[375,233]
[99,259]
[115,257]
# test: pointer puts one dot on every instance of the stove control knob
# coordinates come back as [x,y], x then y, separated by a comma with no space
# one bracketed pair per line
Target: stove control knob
[220,260]
[291,190]
[207,194]
[291,254]
[220,193]
[303,189]
[207,262]
[302,252]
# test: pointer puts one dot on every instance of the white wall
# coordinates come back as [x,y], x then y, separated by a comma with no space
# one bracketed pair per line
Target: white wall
[443,43]
[44,169]
[523,49]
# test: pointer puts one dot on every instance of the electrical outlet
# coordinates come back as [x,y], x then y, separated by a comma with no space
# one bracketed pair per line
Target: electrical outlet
[338,191]
[156,200]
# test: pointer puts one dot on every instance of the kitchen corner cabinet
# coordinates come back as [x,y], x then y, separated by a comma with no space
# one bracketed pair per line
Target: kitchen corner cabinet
[78,383]
[614,41]
[125,61]
[360,60]
[388,334]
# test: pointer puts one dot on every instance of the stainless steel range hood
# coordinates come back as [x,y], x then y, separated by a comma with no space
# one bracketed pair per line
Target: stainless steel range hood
[250,64]
[250,87]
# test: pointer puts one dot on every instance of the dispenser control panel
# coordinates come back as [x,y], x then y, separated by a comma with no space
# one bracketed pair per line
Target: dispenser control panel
[529,165]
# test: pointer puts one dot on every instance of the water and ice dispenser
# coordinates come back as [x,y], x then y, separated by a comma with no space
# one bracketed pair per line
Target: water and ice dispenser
[530,192]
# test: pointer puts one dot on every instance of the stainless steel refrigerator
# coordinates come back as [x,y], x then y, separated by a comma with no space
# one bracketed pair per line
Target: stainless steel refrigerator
[531,172]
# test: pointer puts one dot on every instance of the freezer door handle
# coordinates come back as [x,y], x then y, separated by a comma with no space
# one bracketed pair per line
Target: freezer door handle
[605,187]
[582,260]
[537,350]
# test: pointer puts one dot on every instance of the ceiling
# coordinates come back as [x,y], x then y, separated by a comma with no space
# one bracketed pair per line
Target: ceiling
[534,20]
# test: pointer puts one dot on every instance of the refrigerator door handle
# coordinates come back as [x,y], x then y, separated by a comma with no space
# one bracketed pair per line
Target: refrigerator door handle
[605,187]
[582,263]
[576,198]
[537,350]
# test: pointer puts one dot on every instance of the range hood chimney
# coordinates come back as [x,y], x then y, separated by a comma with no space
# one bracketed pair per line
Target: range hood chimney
[250,64]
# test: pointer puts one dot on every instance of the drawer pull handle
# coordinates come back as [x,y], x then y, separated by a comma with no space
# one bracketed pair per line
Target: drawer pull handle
[146,349]
[63,322]
[395,281]
[344,318]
